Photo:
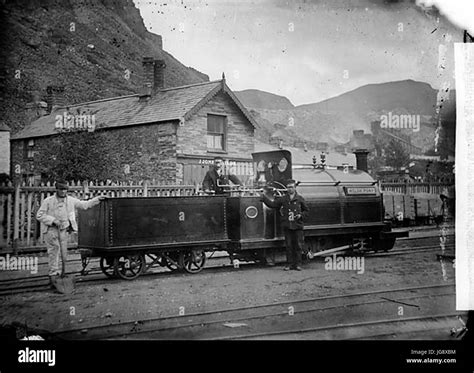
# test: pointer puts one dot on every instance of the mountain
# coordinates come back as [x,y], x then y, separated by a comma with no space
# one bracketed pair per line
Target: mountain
[92,48]
[334,120]
[415,97]
[253,98]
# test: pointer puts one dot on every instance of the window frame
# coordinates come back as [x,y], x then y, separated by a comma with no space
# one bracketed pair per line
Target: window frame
[28,149]
[224,133]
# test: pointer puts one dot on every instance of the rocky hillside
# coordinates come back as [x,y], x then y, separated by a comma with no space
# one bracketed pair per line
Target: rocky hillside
[92,47]
[334,120]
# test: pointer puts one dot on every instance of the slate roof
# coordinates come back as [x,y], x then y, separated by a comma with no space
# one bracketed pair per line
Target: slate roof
[172,104]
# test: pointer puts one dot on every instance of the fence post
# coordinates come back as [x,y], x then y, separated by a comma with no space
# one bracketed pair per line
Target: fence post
[16,218]
[145,188]
[29,211]
[85,189]
[3,201]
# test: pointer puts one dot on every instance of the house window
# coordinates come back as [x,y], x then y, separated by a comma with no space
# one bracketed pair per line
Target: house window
[28,149]
[216,131]
[30,152]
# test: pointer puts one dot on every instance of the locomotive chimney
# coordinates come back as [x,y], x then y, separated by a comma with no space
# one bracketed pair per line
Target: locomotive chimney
[361,159]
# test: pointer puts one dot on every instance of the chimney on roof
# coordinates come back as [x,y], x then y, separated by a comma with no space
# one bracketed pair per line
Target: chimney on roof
[154,76]
[55,97]
[361,159]
[34,110]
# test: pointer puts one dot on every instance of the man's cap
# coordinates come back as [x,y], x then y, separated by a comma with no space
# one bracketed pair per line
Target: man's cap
[291,181]
[216,158]
[61,184]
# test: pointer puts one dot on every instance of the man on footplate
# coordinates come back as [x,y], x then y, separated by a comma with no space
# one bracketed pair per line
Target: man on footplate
[293,210]
[216,177]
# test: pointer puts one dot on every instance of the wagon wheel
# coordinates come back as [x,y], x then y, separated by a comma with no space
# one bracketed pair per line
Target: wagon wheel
[192,261]
[85,262]
[107,266]
[130,266]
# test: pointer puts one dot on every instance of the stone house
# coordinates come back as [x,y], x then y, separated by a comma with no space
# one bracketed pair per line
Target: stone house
[168,134]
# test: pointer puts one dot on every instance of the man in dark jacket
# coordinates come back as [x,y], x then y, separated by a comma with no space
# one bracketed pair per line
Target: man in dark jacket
[294,210]
[216,177]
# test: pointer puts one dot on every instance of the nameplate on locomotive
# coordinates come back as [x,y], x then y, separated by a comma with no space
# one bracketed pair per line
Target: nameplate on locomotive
[360,190]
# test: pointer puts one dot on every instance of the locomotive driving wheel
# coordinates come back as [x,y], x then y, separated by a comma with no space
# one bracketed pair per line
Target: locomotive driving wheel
[129,266]
[107,266]
[192,261]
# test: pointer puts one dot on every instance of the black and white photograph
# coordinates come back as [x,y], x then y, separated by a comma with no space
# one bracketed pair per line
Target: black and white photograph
[241,173]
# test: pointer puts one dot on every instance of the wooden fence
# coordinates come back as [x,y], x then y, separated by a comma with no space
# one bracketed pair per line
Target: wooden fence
[415,188]
[19,204]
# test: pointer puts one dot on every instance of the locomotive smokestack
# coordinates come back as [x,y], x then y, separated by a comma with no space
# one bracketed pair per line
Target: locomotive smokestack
[361,159]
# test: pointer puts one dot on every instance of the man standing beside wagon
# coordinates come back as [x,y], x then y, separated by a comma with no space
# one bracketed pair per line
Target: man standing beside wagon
[57,215]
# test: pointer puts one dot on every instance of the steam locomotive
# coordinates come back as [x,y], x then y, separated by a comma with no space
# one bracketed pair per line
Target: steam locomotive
[132,234]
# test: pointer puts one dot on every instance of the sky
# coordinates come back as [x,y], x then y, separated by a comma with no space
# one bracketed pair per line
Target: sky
[311,50]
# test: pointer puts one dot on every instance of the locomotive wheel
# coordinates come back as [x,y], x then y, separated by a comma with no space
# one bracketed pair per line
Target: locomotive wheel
[192,261]
[129,267]
[107,266]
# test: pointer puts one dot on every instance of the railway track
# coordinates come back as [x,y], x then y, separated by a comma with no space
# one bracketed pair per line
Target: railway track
[365,330]
[94,275]
[334,317]
[73,249]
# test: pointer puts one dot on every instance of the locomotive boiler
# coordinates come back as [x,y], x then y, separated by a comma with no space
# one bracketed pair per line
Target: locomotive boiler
[132,234]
